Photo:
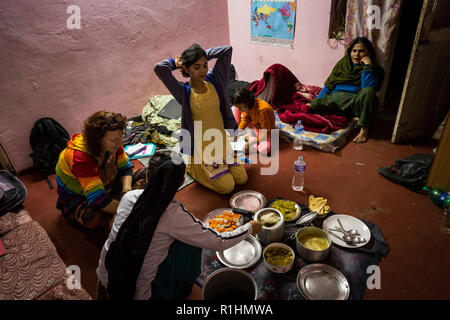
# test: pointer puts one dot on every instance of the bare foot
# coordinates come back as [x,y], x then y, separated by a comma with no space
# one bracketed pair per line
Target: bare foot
[362,135]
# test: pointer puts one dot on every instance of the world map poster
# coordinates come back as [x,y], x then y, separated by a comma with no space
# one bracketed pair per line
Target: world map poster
[273,22]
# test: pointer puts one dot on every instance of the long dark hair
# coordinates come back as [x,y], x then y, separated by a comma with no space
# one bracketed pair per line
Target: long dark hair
[126,254]
[368,44]
[191,56]
[96,126]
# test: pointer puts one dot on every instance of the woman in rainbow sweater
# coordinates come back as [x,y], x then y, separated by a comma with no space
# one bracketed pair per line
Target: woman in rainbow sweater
[92,170]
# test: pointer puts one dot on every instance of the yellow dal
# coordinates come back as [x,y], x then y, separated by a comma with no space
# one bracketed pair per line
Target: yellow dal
[314,242]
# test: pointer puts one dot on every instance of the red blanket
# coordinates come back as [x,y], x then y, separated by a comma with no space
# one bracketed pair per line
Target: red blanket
[293,105]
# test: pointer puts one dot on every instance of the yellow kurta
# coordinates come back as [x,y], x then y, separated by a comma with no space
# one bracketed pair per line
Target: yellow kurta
[205,109]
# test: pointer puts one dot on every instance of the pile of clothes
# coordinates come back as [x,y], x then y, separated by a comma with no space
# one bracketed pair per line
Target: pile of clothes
[153,128]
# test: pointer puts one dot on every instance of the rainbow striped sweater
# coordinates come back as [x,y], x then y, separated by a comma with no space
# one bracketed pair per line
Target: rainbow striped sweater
[78,175]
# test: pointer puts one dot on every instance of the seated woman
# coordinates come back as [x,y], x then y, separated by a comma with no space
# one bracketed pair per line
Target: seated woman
[154,248]
[204,101]
[93,169]
[257,115]
[351,88]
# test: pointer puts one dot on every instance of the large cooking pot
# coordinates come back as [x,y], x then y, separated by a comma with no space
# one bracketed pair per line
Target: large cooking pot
[270,233]
[230,284]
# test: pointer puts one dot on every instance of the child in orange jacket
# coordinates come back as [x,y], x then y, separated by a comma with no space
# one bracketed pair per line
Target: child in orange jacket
[258,115]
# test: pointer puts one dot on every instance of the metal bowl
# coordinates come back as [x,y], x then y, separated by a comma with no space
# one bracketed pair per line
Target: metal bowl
[297,208]
[269,234]
[307,253]
[276,268]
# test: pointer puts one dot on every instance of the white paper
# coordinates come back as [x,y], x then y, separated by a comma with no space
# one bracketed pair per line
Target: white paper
[238,145]
[134,148]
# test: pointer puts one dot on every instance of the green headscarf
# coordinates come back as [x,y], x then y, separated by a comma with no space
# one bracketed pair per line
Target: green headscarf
[345,72]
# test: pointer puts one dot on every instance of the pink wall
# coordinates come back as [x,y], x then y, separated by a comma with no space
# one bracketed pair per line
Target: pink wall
[311,60]
[49,70]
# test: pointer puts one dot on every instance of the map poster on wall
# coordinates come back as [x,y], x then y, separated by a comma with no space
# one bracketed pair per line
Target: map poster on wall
[272,22]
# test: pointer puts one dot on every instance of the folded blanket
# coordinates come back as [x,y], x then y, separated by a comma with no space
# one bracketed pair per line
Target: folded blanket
[292,105]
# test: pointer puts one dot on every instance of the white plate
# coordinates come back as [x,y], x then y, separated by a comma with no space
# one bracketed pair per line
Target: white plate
[215,212]
[348,222]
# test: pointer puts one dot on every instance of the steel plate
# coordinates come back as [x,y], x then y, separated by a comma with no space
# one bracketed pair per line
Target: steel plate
[248,200]
[322,282]
[215,212]
[243,255]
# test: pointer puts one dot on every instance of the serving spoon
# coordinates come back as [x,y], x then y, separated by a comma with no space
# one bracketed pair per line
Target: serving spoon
[351,232]
[348,239]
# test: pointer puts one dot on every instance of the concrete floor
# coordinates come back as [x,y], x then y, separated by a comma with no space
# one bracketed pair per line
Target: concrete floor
[417,266]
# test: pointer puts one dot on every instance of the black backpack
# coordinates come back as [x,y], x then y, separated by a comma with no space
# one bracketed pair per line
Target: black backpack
[12,192]
[411,172]
[48,138]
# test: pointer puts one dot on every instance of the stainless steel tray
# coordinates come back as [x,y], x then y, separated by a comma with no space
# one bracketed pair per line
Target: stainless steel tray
[243,255]
[248,200]
[322,282]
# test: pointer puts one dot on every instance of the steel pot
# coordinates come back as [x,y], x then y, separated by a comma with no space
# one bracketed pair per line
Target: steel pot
[269,234]
[309,254]
[230,284]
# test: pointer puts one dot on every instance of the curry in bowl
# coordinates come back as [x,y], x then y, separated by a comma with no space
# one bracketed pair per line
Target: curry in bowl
[313,241]
[278,256]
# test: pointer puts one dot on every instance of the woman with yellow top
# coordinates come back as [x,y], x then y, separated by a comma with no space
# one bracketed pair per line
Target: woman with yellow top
[206,108]
[258,115]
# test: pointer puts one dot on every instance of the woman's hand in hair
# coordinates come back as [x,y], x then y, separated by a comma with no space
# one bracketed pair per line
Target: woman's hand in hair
[178,63]
[256,226]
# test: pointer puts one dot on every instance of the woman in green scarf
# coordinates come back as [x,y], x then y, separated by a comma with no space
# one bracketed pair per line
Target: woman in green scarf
[351,88]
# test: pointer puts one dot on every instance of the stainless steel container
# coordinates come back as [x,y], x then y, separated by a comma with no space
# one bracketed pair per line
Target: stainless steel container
[269,234]
[230,284]
[309,254]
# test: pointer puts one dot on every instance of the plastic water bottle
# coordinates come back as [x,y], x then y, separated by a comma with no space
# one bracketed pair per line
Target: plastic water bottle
[298,130]
[298,180]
